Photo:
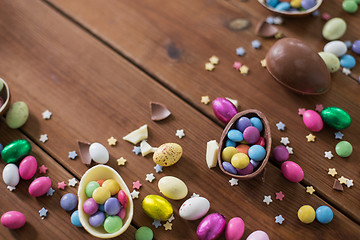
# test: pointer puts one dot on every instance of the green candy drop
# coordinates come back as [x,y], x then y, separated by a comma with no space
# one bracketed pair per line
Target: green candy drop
[350,6]
[336,117]
[144,233]
[112,224]
[344,149]
[90,187]
[16,151]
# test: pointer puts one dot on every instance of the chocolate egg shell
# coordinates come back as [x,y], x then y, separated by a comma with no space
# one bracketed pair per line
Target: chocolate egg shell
[293,64]
[266,134]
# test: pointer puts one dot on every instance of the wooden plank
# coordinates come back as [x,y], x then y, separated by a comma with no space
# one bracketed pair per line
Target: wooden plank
[173,40]
[94,94]
[57,223]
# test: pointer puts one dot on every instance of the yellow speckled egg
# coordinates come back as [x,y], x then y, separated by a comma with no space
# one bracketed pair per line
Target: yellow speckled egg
[172,187]
[157,207]
[167,154]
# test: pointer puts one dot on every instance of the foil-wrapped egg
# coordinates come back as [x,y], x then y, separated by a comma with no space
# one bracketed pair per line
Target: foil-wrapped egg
[157,207]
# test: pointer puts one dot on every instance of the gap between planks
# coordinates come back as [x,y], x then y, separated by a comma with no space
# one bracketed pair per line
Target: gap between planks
[167,87]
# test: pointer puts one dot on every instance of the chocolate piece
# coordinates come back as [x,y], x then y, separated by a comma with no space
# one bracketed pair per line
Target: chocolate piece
[266,134]
[292,63]
[264,29]
[84,152]
[239,24]
[337,186]
[158,111]
[5,98]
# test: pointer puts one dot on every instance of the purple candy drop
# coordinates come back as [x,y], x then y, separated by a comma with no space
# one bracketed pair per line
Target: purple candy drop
[280,153]
[246,171]
[251,135]
[97,219]
[229,168]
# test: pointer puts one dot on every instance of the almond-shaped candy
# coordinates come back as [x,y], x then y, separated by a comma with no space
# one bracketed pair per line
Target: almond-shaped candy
[10,175]
[167,154]
[27,167]
[39,186]
[194,208]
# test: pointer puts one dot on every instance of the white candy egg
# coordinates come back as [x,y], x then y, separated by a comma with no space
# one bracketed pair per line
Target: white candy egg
[338,48]
[194,208]
[99,153]
[11,175]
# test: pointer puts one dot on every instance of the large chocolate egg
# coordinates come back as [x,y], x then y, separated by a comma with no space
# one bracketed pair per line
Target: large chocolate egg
[292,63]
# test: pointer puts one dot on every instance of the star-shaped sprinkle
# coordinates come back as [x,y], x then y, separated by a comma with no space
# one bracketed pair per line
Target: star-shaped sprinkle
[263,62]
[339,135]
[136,150]
[171,218]
[332,172]
[43,212]
[278,20]
[244,69]
[214,60]
[112,141]
[267,199]
[284,140]
[121,161]
[62,185]
[195,195]
[137,184]
[325,16]
[158,168]
[310,138]
[11,188]
[346,71]
[72,155]
[279,195]
[319,107]
[72,182]
[237,65]
[315,13]
[180,133]
[349,183]
[47,114]
[301,111]
[278,35]
[150,177]
[50,192]
[209,66]
[43,169]
[279,219]
[256,44]
[156,223]
[205,100]
[337,186]
[310,189]
[134,194]
[328,155]
[240,51]
[290,149]
[348,44]
[167,226]
[234,181]
[280,126]
[270,20]
[342,180]
[43,138]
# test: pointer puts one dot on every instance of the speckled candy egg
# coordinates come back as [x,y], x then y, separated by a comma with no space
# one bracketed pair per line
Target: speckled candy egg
[312,120]
[27,167]
[194,208]
[172,187]
[211,227]
[234,229]
[292,171]
[157,207]
[167,154]
[10,175]
[13,219]
[332,62]
[258,235]
[39,186]
[99,153]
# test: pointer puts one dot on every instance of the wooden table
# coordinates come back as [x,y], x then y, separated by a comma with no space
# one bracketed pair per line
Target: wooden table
[96,65]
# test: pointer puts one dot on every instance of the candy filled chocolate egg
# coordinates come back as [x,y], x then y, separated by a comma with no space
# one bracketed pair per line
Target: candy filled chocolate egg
[295,65]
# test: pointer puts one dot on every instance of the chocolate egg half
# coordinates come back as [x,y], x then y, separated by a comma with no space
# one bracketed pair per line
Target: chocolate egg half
[292,63]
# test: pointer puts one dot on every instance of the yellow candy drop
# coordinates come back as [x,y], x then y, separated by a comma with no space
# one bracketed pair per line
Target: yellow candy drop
[111,185]
[306,214]
[240,160]
[295,3]
[227,153]
[100,195]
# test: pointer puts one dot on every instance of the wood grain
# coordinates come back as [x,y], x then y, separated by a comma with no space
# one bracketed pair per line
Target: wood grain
[94,93]
[57,224]
[173,40]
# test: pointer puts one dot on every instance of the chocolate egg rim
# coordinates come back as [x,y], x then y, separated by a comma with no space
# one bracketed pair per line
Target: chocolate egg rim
[292,14]
[103,172]
[266,135]
[6,104]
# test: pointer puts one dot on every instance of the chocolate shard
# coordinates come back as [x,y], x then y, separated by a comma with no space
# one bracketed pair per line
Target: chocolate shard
[84,152]
[337,186]
[264,29]
[158,111]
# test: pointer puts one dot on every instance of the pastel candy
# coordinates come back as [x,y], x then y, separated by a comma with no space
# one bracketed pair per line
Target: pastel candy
[40,186]
[280,153]
[334,29]
[235,135]
[234,229]
[251,135]
[332,62]
[17,115]
[257,152]
[256,122]
[292,171]
[312,120]
[229,168]
[347,61]
[27,167]
[243,123]
[13,219]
